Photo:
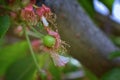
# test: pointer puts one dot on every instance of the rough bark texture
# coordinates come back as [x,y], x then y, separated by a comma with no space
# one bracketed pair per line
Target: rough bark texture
[88,43]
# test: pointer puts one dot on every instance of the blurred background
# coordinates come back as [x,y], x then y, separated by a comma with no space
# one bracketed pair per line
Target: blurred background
[14,65]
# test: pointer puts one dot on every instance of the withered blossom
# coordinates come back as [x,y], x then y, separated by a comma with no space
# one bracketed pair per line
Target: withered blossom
[29,15]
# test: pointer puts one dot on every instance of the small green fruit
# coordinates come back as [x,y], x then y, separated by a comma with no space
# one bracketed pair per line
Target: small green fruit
[49,41]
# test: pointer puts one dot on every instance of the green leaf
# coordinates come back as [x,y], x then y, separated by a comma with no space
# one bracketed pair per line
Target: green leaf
[2,41]
[114,54]
[4,24]
[23,69]
[113,74]
[108,3]
[70,68]
[88,6]
[40,26]
[90,75]
[43,59]
[11,53]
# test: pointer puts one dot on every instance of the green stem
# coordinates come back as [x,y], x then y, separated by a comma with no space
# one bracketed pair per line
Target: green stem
[35,6]
[33,34]
[41,35]
[31,50]
[40,25]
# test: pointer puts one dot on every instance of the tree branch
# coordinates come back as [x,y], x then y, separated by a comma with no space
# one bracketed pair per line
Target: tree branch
[107,24]
[88,43]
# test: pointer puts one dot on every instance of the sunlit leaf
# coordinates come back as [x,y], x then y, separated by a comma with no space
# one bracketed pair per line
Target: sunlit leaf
[11,53]
[113,74]
[108,3]
[4,24]
[23,69]
[70,68]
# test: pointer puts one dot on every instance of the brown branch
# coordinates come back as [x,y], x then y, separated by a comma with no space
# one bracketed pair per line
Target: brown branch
[88,43]
[107,24]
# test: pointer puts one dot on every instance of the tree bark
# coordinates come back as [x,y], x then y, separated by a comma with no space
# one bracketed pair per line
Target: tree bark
[88,43]
[108,25]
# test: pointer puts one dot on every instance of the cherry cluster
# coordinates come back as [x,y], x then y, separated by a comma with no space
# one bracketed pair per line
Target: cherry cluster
[28,18]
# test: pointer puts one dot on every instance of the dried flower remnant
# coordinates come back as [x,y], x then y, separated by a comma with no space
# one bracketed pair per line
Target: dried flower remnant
[47,9]
[40,11]
[28,15]
[43,11]
[31,15]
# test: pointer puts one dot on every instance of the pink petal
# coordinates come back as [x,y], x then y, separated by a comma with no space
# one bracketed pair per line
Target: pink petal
[45,23]
[59,60]
[40,11]
[47,9]
[58,42]
[29,7]
[36,44]
[64,59]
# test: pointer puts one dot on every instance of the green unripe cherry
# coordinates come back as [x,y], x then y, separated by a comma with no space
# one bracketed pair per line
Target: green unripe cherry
[49,41]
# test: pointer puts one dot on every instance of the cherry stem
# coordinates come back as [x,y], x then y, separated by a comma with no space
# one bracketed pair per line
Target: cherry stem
[35,6]
[33,34]
[40,35]
[31,51]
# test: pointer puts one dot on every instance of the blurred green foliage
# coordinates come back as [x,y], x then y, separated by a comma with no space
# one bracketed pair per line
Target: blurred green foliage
[90,75]
[114,54]
[113,74]
[10,54]
[22,69]
[17,64]
[108,4]
[4,24]
[88,6]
